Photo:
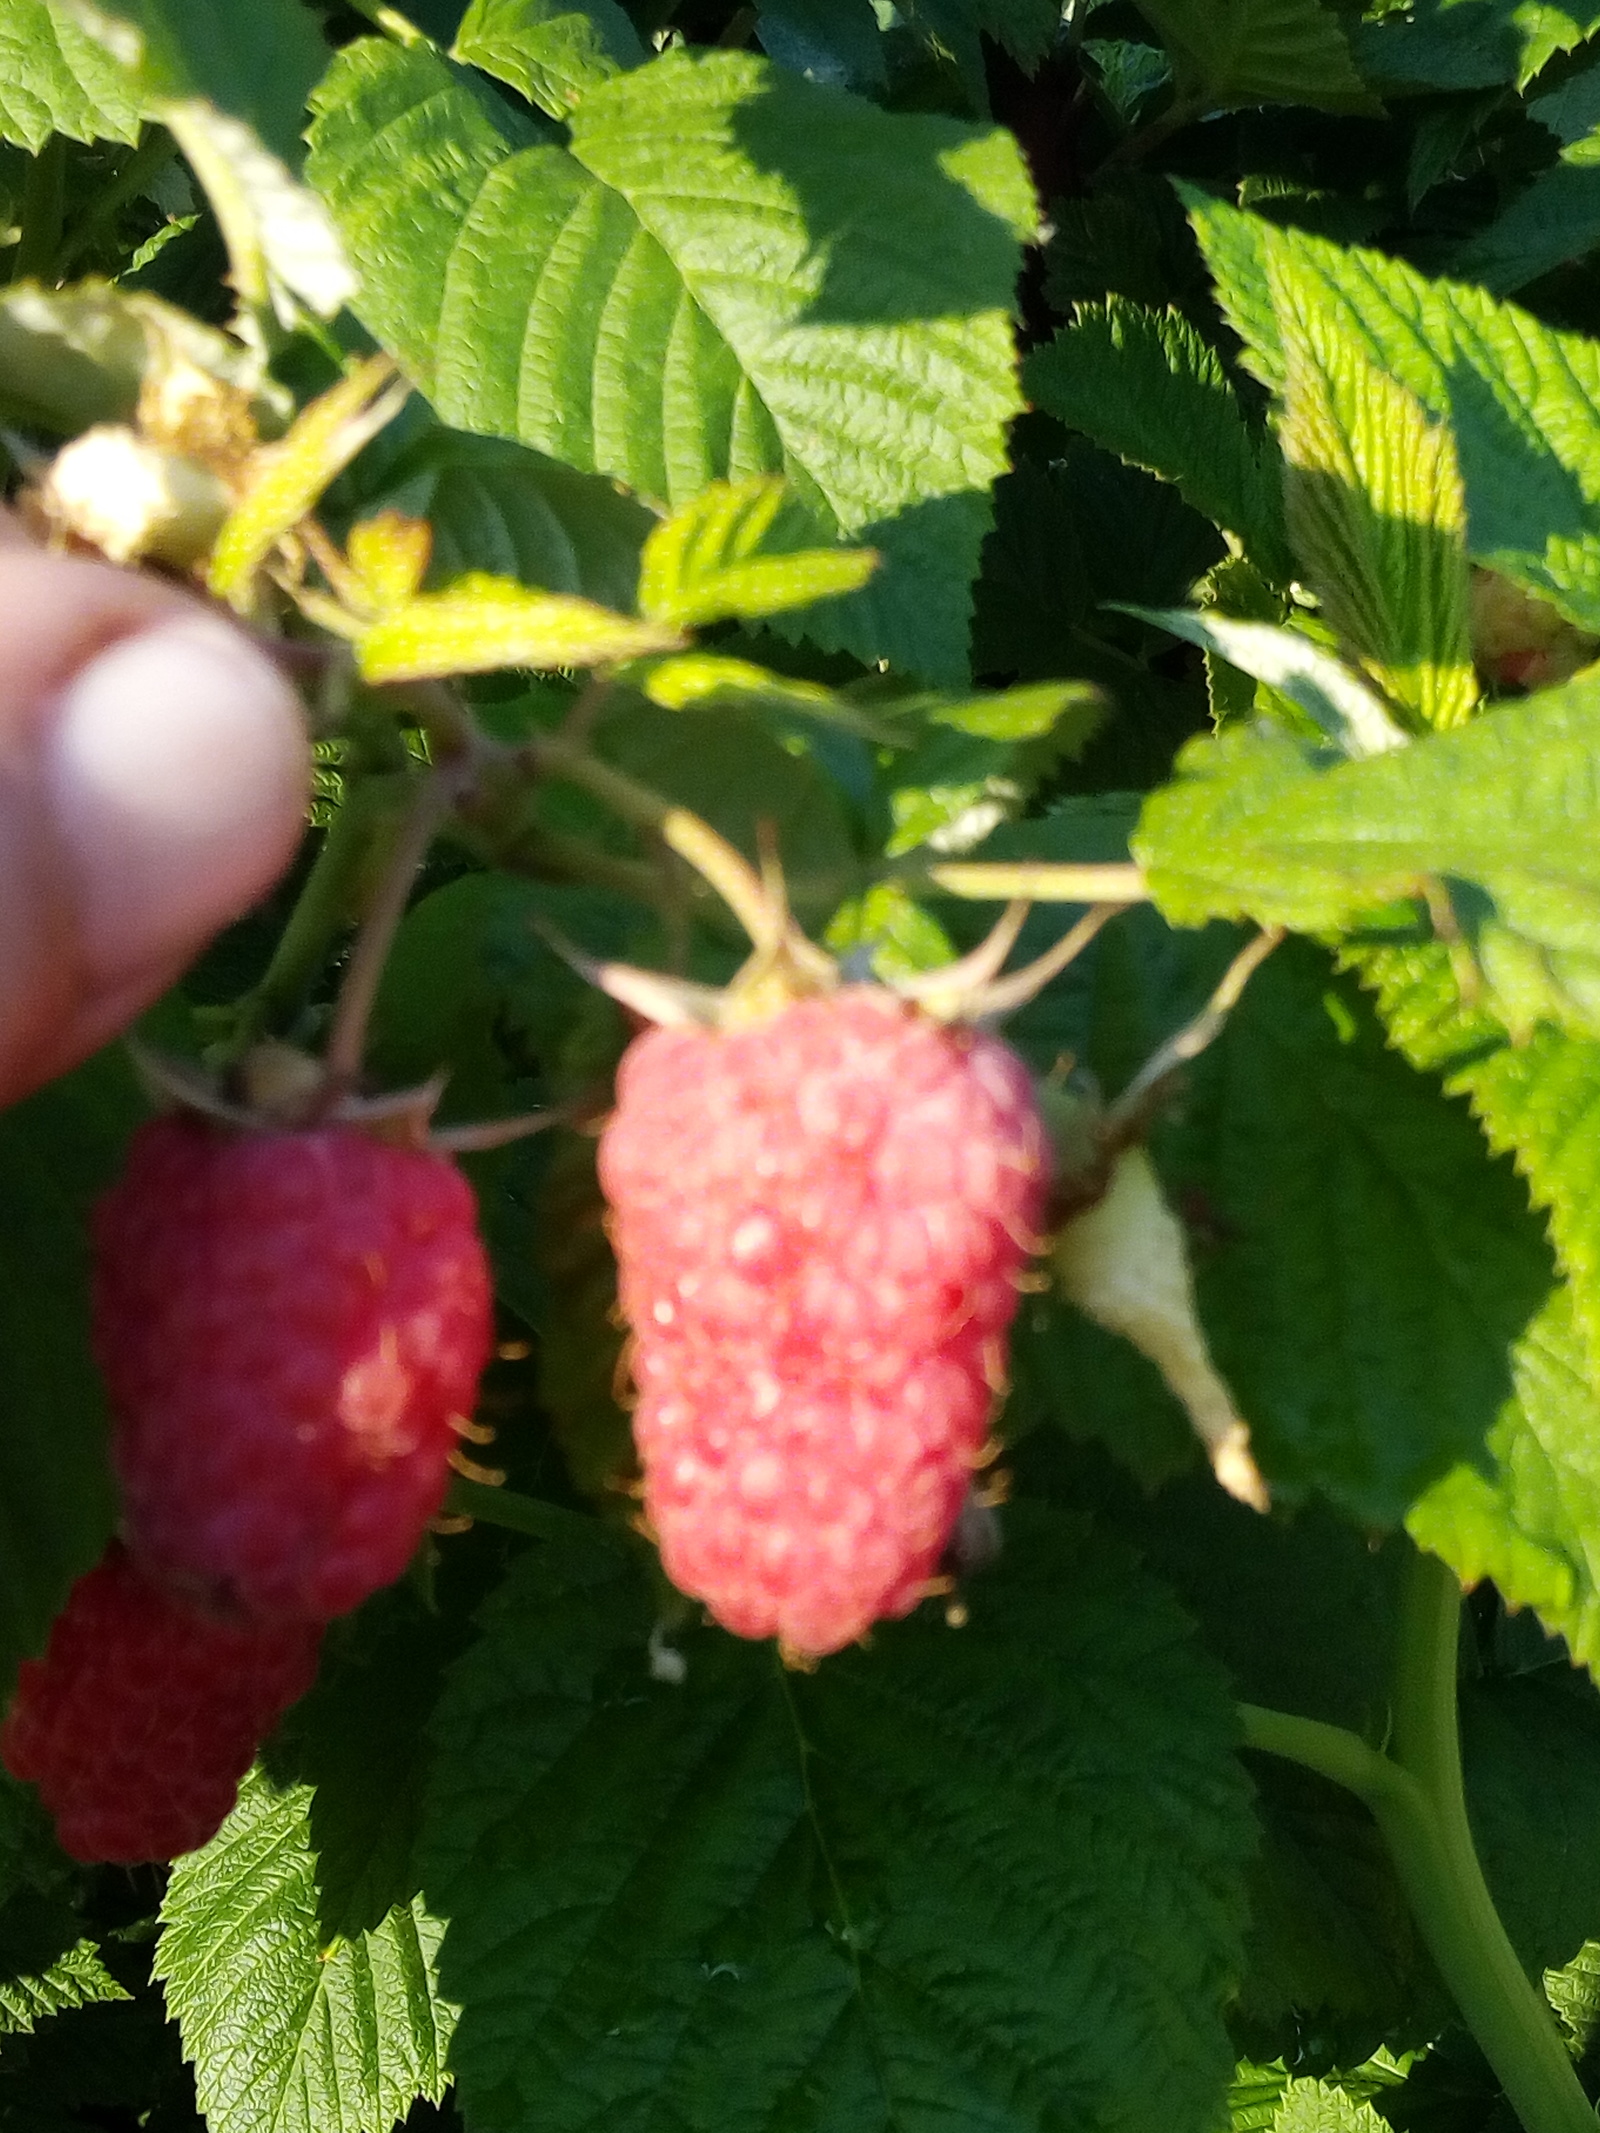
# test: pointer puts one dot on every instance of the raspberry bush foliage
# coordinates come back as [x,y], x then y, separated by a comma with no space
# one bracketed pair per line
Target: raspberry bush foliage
[1022,577]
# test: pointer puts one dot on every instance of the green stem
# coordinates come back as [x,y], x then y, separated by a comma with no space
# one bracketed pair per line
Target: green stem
[43,211]
[1144,140]
[154,152]
[1416,1796]
[517,1513]
[324,908]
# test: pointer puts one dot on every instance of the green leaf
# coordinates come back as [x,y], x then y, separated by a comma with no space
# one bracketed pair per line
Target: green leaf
[1263,826]
[58,1150]
[1146,386]
[1531,1748]
[1319,2107]
[1334,1951]
[1470,44]
[483,623]
[54,78]
[77,1978]
[498,507]
[732,272]
[1022,714]
[1554,219]
[705,680]
[254,59]
[1301,1612]
[1231,52]
[724,556]
[982,760]
[1523,1511]
[1574,1996]
[359,1740]
[1376,514]
[752,1898]
[1528,1514]
[1294,665]
[835,41]
[1538,1101]
[287,2036]
[729,767]
[1372,1265]
[1521,400]
[550,51]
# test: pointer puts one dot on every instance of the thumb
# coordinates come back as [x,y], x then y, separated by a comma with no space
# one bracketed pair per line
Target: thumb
[154,771]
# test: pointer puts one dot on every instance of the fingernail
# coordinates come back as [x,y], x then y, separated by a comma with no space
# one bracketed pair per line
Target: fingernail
[176,769]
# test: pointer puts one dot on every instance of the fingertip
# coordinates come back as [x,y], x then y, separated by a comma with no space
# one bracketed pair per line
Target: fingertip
[176,770]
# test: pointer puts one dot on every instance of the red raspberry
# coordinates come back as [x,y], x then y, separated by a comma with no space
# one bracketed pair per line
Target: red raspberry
[291,1325]
[143,1715]
[820,1222]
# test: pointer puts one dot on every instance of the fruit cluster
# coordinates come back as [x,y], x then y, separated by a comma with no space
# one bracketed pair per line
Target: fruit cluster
[291,1326]
[821,1213]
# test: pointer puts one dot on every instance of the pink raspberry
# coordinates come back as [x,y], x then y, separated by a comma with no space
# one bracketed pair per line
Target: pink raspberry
[292,1326]
[143,1714]
[820,1221]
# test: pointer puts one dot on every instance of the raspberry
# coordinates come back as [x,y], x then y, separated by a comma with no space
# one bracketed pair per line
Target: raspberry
[291,1327]
[820,1221]
[143,1715]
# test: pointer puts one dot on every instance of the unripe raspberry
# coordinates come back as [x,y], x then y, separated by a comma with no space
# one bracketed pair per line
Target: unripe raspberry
[291,1326]
[820,1221]
[144,1714]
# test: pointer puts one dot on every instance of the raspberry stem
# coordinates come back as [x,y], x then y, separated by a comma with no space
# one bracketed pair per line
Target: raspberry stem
[435,798]
[1414,1791]
[488,1506]
[320,912]
[1037,882]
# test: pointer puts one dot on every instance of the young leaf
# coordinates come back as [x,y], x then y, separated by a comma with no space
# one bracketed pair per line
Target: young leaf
[1231,52]
[287,479]
[721,557]
[703,680]
[764,1927]
[287,2036]
[54,78]
[681,297]
[1261,825]
[483,623]
[550,51]
[1145,385]
[1522,401]
[1376,515]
